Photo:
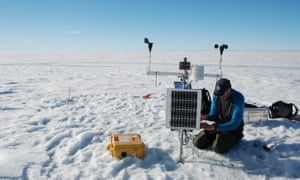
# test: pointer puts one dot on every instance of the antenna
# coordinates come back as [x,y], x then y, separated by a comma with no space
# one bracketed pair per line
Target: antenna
[221,48]
[150,45]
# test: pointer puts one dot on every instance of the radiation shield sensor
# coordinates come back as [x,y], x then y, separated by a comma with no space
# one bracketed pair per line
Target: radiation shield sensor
[197,73]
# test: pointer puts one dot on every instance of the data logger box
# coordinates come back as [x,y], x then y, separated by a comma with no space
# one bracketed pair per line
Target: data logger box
[123,145]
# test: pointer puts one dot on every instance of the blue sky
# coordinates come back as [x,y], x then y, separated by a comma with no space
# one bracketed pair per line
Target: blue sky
[41,25]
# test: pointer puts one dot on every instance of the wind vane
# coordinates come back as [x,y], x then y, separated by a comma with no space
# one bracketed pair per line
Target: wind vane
[150,45]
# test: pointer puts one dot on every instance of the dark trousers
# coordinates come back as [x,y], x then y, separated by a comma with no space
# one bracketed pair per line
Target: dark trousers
[221,142]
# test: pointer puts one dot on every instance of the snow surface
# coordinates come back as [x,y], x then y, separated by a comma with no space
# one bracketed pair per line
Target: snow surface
[58,111]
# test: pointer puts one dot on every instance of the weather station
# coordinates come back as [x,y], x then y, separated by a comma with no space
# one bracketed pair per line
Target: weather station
[184,104]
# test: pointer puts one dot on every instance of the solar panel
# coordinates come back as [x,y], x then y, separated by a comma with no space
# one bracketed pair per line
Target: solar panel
[183,109]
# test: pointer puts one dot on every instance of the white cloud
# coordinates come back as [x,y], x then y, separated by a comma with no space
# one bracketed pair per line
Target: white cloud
[27,41]
[72,31]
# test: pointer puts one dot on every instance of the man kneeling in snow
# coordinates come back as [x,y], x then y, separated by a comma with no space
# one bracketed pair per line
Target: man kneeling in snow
[227,114]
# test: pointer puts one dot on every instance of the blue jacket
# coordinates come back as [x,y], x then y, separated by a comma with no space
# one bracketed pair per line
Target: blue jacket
[237,114]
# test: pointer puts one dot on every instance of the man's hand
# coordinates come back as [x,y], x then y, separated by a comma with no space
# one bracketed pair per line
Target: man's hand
[207,127]
[203,117]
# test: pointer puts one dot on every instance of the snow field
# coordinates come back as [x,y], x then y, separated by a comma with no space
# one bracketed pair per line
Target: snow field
[57,118]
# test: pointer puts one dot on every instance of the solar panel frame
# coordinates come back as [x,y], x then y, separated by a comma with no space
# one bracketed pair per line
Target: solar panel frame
[183,109]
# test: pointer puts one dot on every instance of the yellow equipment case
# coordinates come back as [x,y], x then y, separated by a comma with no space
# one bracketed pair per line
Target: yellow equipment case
[123,145]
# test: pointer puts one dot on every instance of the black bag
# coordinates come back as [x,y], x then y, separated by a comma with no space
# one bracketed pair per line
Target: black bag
[206,102]
[282,109]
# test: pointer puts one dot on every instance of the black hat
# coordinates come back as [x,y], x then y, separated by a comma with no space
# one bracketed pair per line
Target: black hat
[221,86]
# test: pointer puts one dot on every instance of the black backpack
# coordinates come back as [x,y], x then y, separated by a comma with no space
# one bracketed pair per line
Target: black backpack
[282,109]
[206,102]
